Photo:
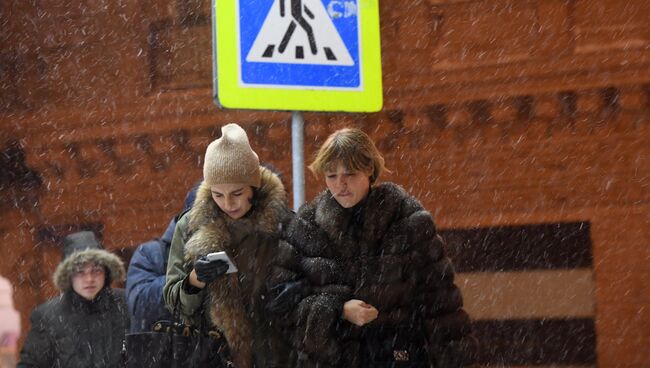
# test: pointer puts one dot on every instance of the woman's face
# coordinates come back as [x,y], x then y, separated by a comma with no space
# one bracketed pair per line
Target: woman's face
[89,280]
[233,199]
[347,187]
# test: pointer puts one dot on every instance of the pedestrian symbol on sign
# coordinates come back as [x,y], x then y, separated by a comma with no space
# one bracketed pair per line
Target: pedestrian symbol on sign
[299,32]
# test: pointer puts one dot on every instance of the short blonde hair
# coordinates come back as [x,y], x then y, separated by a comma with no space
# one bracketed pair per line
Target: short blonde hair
[354,149]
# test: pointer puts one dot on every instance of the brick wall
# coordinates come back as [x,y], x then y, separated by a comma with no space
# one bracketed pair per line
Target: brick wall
[496,113]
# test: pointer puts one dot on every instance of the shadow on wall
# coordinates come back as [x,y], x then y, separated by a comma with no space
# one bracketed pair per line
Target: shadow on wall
[9,325]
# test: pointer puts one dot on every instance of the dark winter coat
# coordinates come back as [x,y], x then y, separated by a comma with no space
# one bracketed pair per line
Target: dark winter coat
[384,251]
[234,303]
[72,332]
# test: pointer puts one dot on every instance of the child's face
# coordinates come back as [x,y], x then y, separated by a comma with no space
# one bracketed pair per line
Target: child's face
[89,280]
[348,187]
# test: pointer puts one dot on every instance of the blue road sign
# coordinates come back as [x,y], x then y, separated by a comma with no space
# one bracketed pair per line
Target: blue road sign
[302,43]
[304,55]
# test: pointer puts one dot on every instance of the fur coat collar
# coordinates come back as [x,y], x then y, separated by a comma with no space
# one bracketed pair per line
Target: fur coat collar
[386,213]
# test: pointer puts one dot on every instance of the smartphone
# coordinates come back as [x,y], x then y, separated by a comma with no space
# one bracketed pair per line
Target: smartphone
[223,256]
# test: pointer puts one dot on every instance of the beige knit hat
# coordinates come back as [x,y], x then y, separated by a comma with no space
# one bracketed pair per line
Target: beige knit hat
[230,159]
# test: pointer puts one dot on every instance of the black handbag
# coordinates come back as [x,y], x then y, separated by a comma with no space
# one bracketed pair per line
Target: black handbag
[173,344]
[169,345]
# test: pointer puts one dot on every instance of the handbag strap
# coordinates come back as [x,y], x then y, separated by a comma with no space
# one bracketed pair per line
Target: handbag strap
[176,313]
[179,322]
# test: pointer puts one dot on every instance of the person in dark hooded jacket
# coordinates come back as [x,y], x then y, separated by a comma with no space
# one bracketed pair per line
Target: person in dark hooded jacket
[84,327]
[368,275]
[146,277]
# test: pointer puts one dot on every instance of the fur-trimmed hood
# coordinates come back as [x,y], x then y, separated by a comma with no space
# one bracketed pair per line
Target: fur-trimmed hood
[64,271]
[228,300]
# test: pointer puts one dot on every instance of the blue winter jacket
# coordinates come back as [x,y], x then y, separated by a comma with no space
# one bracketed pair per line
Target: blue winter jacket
[145,280]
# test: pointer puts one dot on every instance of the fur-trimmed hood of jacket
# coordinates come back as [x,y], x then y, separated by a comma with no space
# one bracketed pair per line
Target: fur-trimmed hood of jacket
[63,275]
[211,231]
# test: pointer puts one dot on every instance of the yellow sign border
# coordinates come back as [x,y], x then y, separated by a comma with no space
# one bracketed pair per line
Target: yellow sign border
[232,95]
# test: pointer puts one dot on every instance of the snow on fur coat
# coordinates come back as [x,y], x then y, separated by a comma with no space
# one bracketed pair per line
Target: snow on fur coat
[234,302]
[384,251]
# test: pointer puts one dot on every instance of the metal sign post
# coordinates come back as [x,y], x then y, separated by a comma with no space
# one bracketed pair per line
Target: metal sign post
[297,155]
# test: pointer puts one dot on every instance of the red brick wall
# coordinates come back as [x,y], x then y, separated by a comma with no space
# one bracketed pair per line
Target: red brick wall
[496,113]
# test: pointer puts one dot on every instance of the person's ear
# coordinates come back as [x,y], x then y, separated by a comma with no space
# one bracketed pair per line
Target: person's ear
[371,176]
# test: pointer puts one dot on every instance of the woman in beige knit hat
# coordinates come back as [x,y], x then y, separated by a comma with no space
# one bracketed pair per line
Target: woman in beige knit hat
[240,208]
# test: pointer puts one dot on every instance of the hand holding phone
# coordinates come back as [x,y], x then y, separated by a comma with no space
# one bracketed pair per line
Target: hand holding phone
[209,268]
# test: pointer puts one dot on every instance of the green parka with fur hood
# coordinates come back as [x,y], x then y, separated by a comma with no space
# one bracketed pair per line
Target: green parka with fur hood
[234,303]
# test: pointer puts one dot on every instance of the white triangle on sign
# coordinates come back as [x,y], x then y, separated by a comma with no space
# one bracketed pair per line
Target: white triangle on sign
[277,43]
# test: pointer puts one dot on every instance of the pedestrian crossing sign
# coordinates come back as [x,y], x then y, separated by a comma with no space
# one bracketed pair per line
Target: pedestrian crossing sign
[301,55]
